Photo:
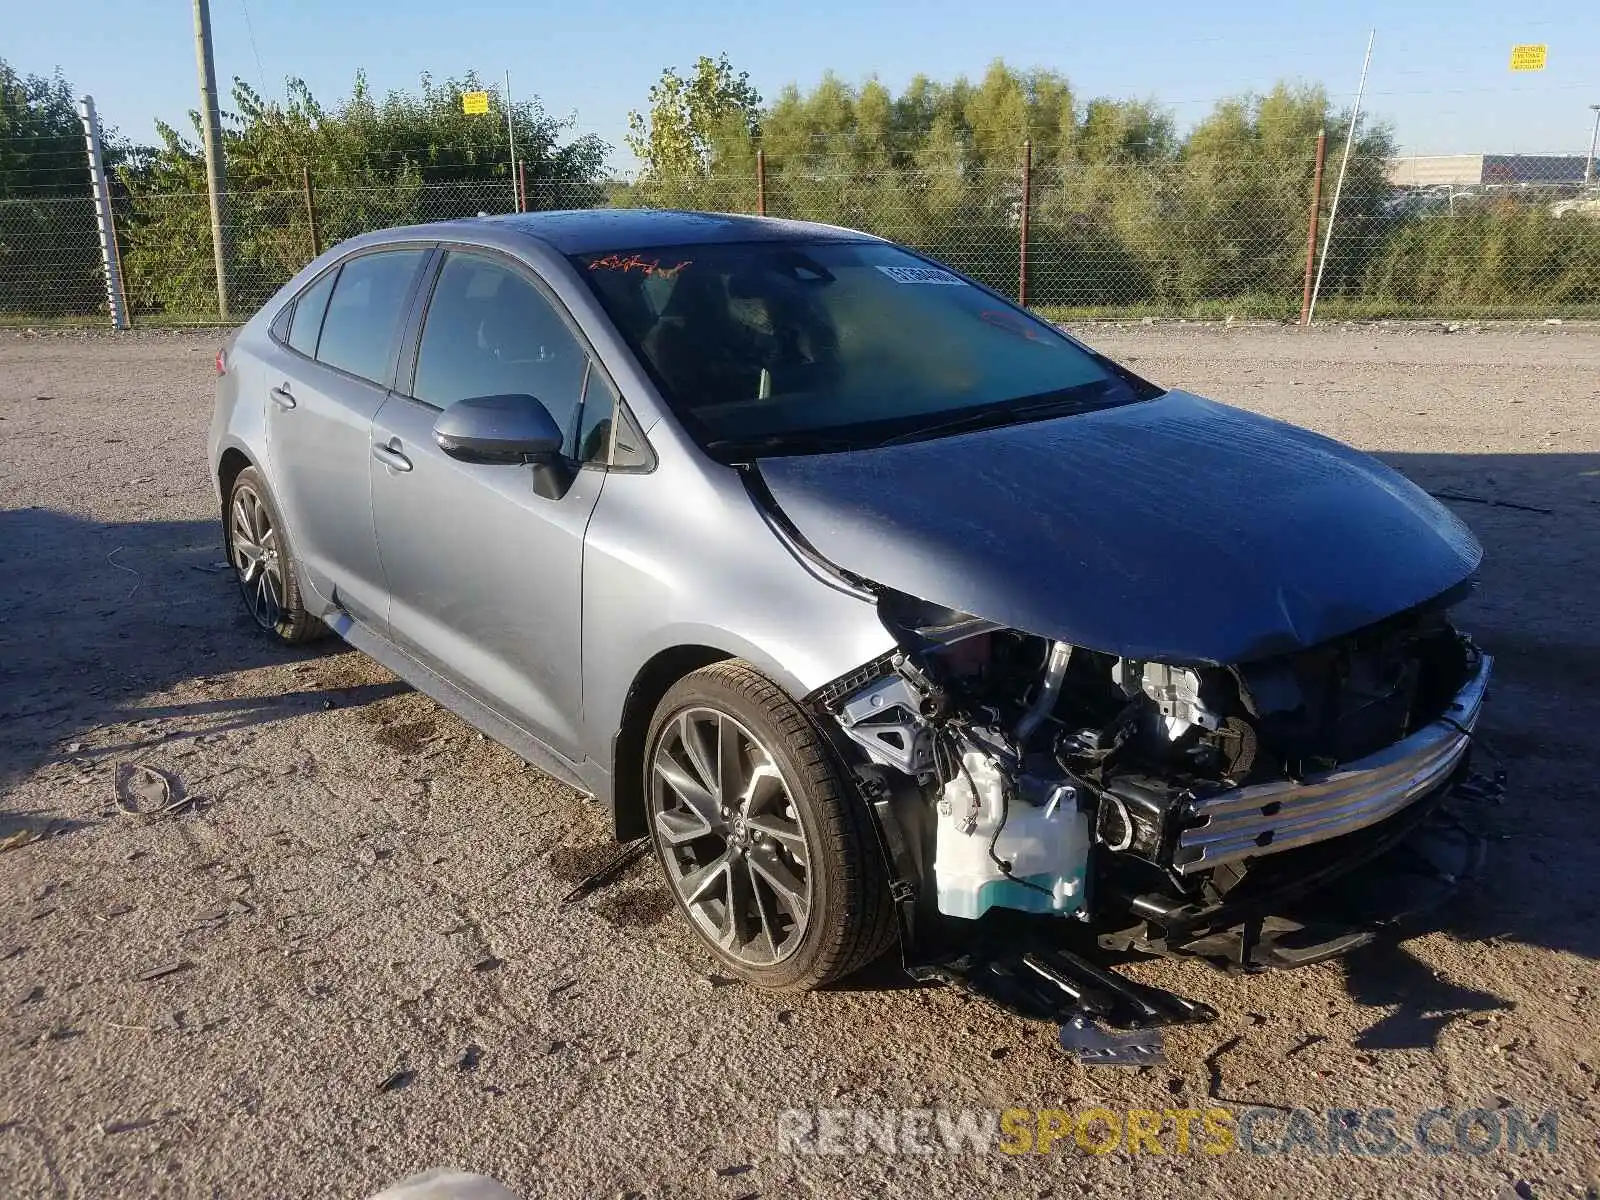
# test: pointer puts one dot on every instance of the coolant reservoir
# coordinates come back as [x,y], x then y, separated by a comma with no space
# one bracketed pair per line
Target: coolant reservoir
[1047,846]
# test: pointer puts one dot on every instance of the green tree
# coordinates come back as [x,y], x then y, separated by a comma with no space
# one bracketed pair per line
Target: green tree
[375,160]
[693,124]
[49,250]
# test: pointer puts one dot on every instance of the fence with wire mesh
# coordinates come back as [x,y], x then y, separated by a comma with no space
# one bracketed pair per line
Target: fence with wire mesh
[1181,237]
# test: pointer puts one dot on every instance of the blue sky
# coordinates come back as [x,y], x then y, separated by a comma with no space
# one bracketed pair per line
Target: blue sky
[1440,69]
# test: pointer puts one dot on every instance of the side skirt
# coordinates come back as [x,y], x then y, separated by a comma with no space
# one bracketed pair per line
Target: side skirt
[471,710]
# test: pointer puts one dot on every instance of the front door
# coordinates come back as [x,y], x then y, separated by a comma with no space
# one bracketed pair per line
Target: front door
[484,575]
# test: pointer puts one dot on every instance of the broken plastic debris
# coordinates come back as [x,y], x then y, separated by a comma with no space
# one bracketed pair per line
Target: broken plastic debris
[148,793]
[1096,1047]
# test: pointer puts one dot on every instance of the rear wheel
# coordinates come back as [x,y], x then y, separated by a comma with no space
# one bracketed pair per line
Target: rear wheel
[258,549]
[769,851]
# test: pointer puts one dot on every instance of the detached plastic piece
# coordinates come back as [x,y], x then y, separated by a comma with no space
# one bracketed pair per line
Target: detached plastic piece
[1095,1047]
[1057,985]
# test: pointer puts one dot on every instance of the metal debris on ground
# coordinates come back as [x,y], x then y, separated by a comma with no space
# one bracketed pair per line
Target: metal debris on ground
[1096,1047]
[613,869]
[161,972]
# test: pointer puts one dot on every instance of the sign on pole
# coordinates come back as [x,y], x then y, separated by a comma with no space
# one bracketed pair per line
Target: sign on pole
[475,104]
[1529,58]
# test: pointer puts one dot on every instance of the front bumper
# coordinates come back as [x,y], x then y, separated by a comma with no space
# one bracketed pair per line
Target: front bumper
[1268,818]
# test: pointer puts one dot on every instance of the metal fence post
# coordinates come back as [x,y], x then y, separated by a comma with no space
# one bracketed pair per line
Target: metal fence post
[102,213]
[1022,237]
[1316,213]
[311,209]
[761,183]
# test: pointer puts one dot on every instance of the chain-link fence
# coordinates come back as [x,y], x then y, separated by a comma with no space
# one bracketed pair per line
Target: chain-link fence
[1185,237]
[50,263]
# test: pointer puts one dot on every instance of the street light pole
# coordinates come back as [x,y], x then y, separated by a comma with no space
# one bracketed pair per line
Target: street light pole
[1594,141]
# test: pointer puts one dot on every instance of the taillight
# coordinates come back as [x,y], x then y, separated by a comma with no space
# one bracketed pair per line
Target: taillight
[222,361]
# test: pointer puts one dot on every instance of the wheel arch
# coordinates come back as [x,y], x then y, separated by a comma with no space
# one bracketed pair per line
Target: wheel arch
[650,684]
[232,462]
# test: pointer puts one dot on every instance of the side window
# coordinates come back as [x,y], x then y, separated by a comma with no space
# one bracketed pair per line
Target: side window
[308,310]
[280,323]
[491,332]
[363,321]
[594,426]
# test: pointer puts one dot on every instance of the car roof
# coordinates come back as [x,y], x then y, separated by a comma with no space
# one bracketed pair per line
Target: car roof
[588,230]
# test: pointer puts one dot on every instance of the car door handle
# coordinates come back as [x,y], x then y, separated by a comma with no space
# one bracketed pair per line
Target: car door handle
[282,397]
[391,457]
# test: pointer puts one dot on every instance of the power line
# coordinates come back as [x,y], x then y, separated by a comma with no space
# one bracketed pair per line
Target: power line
[250,29]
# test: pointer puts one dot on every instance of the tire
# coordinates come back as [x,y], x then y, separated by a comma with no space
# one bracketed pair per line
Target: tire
[792,821]
[263,562]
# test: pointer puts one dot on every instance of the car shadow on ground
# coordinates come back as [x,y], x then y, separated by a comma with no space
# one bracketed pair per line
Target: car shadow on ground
[97,617]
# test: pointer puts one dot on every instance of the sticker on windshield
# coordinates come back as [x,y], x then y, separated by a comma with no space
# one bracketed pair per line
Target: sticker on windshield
[922,275]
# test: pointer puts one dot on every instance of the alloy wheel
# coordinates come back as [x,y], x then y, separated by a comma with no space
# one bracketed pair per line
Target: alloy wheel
[253,545]
[731,836]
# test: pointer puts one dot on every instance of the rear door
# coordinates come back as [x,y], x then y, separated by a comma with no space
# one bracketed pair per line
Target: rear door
[331,372]
[484,574]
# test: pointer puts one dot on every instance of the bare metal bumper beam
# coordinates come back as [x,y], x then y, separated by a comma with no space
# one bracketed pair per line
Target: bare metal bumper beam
[1269,818]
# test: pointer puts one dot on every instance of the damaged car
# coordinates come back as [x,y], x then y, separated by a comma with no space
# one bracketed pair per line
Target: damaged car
[889,612]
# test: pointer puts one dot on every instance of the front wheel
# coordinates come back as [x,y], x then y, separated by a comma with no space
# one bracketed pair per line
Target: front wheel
[771,853]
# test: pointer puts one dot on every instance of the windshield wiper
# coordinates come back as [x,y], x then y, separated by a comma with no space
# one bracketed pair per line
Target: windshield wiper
[1072,400]
[779,443]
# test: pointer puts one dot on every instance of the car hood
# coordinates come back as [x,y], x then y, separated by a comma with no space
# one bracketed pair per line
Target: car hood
[1176,529]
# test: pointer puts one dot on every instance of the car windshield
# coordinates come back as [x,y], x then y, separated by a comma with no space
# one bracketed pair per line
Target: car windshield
[797,347]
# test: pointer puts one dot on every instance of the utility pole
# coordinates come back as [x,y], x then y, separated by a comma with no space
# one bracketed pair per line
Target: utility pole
[211,130]
[1594,143]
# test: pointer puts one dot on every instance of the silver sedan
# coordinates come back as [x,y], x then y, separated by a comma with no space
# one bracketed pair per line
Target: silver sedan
[881,605]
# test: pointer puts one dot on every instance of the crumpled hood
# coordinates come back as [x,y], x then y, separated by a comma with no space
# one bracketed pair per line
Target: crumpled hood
[1176,529]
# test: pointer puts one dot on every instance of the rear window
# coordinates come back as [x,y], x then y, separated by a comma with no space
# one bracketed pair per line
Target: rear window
[308,310]
[776,341]
[362,325]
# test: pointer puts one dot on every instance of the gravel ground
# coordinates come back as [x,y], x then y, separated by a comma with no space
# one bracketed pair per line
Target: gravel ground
[374,973]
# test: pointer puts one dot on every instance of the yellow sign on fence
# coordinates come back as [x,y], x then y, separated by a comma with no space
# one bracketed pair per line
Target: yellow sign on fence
[477,103]
[1529,58]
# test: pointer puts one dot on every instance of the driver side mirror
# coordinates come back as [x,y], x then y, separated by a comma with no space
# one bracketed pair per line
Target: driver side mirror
[507,429]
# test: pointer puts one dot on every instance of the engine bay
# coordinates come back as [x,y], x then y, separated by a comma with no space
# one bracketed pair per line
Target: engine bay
[1034,775]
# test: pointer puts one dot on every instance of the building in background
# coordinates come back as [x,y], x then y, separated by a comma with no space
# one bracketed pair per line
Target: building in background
[1488,170]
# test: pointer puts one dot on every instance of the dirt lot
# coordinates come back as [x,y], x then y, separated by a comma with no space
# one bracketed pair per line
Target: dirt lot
[376,975]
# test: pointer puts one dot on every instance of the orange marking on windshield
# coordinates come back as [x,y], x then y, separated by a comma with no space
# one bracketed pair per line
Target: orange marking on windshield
[634,262]
[1011,323]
